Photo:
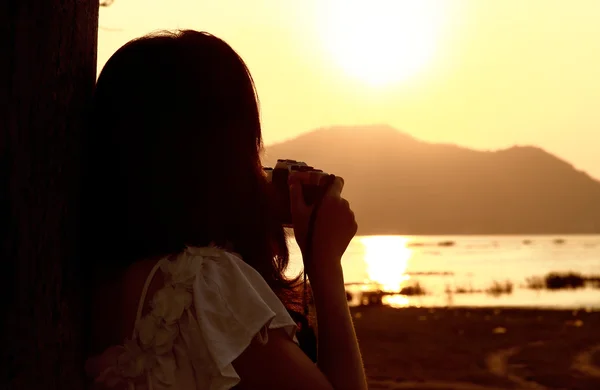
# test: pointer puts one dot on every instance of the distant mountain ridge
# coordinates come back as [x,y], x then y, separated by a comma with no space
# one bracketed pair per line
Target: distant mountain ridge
[398,184]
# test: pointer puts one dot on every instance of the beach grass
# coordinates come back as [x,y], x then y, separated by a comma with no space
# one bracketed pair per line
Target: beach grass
[562,280]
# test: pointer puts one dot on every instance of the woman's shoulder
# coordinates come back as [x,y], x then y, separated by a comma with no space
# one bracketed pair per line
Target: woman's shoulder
[115,301]
[227,292]
[176,269]
[206,300]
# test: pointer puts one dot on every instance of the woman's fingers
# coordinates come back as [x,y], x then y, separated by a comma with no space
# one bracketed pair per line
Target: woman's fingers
[337,187]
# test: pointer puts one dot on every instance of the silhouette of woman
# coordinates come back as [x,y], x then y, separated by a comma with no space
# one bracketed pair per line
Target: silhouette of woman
[184,254]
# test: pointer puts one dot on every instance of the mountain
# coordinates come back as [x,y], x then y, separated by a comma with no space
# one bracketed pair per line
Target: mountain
[397,184]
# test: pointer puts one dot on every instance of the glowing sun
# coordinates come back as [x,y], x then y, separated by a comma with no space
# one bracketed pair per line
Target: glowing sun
[382,42]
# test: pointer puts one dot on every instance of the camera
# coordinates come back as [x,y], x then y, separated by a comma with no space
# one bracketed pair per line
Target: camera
[278,177]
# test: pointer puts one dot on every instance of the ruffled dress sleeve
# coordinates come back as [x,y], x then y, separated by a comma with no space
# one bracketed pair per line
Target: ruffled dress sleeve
[233,305]
[211,307]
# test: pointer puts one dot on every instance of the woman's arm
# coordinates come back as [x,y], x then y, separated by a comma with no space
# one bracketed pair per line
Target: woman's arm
[334,227]
[338,352]
[280,363]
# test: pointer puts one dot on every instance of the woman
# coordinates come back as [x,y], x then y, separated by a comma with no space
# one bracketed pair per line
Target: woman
[186,258]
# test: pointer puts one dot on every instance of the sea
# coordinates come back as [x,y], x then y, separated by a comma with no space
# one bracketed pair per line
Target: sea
[468,271]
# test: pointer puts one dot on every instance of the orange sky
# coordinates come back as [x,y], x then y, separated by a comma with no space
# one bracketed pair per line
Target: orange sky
[480,73]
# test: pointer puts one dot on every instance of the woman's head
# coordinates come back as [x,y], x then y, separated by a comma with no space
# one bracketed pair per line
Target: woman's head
[174,156]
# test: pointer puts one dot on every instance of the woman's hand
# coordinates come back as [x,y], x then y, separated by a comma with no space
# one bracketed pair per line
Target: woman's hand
[334,227]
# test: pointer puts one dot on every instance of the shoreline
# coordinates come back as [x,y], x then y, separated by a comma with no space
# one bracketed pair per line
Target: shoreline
[548,235]
[479,348]
[584,298]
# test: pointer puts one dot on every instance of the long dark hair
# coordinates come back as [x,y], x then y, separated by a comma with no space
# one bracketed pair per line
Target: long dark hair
[173,159]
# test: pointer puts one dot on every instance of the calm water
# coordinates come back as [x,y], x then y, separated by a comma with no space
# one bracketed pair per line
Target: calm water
[443,265]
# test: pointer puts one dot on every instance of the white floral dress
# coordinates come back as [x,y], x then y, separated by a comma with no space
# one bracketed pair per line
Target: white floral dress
[210,308]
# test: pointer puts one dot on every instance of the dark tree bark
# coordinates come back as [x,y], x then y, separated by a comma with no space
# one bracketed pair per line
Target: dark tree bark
[48,69]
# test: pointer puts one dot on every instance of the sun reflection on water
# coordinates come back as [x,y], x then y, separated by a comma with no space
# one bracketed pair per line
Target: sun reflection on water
[386,258]
[396,301]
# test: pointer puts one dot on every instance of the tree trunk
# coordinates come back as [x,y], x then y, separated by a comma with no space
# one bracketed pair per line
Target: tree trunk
[48,59]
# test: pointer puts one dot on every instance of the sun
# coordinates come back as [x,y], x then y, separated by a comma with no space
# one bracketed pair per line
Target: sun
[381,42]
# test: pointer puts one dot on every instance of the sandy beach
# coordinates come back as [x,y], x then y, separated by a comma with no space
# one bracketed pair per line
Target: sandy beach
[479,349]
